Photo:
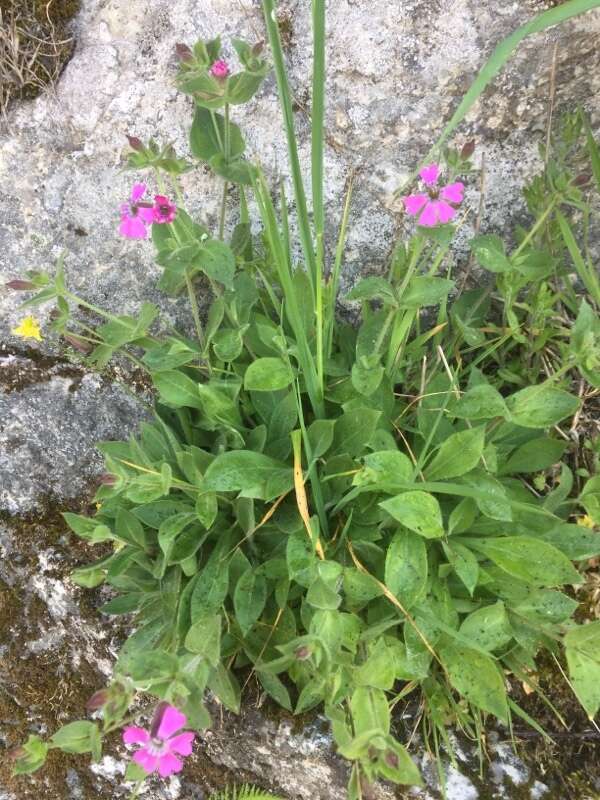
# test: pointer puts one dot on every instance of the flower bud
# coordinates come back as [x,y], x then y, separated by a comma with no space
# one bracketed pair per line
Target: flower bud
[135,143]
[391,759]
[16,753]
[97,700]
[220,70]
[582,180]
[107,479]
[302,653]
[183,52]
[467,150]
[77,343]
[20,286]
[258,48]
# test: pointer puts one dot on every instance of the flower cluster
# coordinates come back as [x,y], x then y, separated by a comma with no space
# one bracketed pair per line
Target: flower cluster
[137,214]
[437,206]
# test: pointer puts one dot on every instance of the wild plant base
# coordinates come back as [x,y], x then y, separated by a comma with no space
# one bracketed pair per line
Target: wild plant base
[349,515]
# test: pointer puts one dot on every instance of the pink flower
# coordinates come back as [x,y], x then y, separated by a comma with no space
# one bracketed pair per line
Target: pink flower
[220,69]
[136,214]
[164,210]
[160,745]
[434,206]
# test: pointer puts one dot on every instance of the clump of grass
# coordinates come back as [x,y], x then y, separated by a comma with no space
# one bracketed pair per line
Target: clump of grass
[35,45]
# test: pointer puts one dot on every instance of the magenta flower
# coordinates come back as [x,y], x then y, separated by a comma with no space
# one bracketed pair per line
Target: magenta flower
[136,214]
[220,69]
[434,206]
[164,210]
[160,745]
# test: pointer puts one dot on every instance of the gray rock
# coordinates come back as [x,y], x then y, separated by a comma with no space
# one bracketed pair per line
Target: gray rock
[49,421]
[396,71]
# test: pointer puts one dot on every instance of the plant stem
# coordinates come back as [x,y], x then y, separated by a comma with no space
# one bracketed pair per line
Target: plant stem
[334,282]
[194,307]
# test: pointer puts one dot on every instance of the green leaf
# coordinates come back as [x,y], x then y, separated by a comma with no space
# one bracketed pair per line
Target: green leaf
[31,757]
[217,260]
[488,627]
[535,455]
[204,638]
[528,559]
[224,685]
[480,402]
[366,379]
[426,291]
[255,475]
[418,511]
[541,406]
[577,542]
[490,253]
[205,142]
[388,469]
[76,737]
[582,647]
[406,568]
[373,288]
[464,563]
[547,605]
[236,169]
[354,430]
[228,344]
[320,436]
[249,599]
[460,453]
[370,710]
[177,389]
[275,688]
[211,587]
[476,677]
[268,375]
[379,670]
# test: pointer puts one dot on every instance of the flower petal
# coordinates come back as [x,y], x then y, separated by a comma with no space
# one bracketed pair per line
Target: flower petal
[429,216]
[445,212]
[133,735]
[182,744]
[146,760]
[414,203]
[453,193]
[172,721]
[147,214]
[430,174]
[168,764]
[132,227]
[138,190]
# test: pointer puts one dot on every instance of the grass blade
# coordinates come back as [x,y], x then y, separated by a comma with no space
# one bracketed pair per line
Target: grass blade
[586,271]
[593,150]
[285,100]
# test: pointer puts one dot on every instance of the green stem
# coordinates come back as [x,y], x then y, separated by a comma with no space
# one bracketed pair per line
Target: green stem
[334,283]
[194,307]
[223,211]
[538,224]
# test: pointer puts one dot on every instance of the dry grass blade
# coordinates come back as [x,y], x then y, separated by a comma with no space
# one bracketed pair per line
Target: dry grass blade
[34,46]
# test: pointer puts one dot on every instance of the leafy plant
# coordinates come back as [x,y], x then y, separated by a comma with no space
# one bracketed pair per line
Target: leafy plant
[345,515]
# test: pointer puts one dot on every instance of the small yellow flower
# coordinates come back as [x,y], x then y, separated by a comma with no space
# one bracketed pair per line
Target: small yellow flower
[98,506]
[586,521]
[29,328]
